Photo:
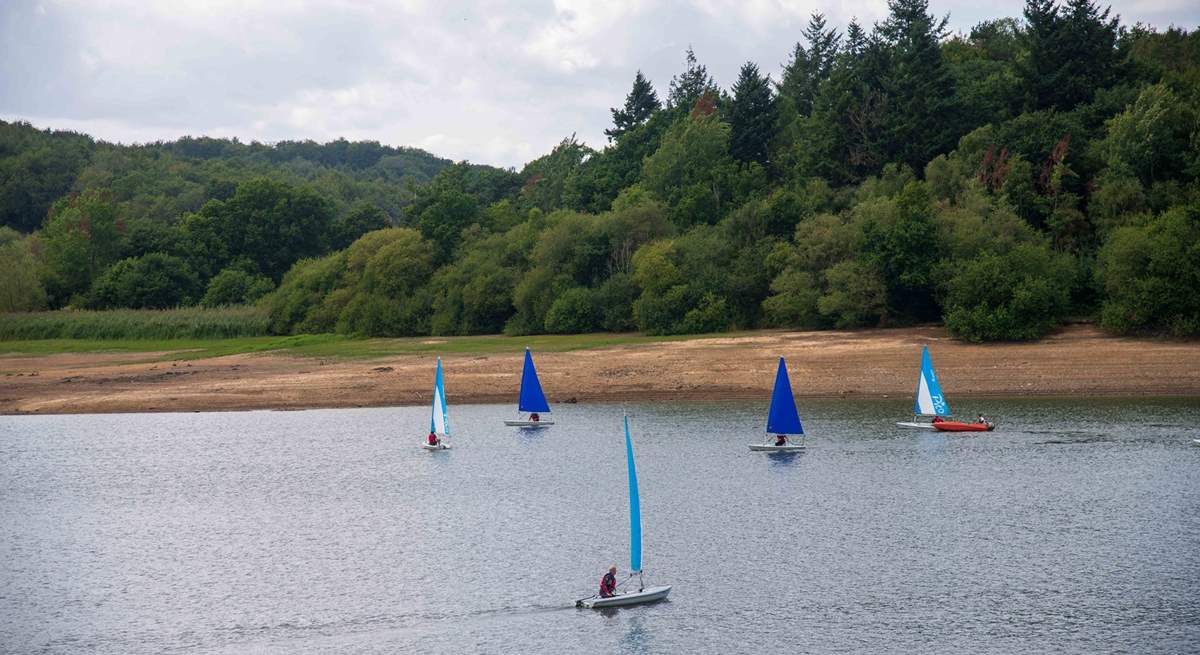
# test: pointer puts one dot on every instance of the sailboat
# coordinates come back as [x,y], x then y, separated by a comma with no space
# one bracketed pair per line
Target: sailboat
[438,425]
[930,401]
[531,401]
[644,594]
[782,417]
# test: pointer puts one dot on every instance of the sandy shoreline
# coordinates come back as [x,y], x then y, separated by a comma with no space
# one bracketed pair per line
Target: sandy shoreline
[1078,361]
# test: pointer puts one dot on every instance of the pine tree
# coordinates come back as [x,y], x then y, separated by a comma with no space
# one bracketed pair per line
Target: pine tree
[1072,53]
[752,116]
[640,104]
[1043,70]
[808,68]
[691,85]
[923,112]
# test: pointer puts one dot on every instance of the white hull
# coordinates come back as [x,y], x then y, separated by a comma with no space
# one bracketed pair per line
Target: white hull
[768,448]
[529,424]
[441,446]
[647,595]
[1196,442]
[914,425]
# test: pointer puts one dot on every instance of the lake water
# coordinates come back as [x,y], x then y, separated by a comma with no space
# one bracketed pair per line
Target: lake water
[1075,527]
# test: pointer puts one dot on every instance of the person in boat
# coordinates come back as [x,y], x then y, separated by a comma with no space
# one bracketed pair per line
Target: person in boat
[433,439]
[780,440]
[980,420]
[937,419]
[608,584]
[534,417]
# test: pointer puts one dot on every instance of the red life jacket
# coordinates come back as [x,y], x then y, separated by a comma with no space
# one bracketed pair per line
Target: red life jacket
[608,585]
[432,439]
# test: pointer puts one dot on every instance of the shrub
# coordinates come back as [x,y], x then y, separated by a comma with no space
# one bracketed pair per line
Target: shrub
[1151,275]
[575,311]
[1021,294]
[234,286]
[154,281]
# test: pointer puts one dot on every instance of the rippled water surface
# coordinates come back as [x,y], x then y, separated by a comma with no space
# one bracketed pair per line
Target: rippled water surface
[1075,527]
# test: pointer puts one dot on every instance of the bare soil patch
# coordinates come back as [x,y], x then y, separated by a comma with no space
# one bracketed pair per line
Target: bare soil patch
[1077,361]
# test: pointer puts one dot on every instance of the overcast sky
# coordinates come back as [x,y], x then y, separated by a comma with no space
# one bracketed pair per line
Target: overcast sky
[489,81]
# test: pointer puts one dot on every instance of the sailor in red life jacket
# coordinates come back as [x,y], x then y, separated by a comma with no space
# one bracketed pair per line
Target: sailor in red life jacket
[433,440]
[608,584]
[534,417]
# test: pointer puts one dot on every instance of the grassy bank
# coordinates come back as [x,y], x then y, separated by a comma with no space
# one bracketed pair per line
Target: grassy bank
[334,346]
[188,323]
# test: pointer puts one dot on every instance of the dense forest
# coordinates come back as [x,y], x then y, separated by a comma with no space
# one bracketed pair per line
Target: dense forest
[1034,170]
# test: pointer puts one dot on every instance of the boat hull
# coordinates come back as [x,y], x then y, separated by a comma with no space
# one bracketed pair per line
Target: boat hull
[529,424]
[767,448]
[915,425]
[959,426]
[441,446]
[647,595]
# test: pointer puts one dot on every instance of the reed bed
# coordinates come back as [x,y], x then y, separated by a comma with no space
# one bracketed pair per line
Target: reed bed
[183,323]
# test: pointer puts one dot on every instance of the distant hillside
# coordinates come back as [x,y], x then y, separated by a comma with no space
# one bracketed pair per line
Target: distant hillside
[161,181]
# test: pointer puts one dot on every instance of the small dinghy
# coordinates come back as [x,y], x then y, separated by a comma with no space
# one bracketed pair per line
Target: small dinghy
[531,400]
[960,426]
[930,401]
[644,594]
[439,426]
[782,417]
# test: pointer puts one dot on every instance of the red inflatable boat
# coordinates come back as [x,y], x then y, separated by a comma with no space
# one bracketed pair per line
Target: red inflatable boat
[959,426]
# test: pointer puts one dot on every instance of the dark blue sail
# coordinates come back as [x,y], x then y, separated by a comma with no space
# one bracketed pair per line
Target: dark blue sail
[532,399]
[783,417]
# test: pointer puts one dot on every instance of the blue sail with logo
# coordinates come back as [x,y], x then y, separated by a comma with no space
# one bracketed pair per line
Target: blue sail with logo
[930,400]
[783,418]
[532,399]
[635,507]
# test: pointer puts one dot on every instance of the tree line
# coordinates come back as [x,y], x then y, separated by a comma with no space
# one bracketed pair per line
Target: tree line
[1034,170]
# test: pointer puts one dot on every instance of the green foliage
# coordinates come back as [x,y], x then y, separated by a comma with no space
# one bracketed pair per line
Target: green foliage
[900,242]
[1020,294]
[809,67]
[361,218]
[20,288]
[187,323]
[894,176]
[154,281]
[692,171]
[234,286]
[1071,53]
[1151,275]
[1151,137]
[300,304]
[752,116]
[691,85]
[575,311]
[640,105]
[36,169]
[270,224]
[81,238]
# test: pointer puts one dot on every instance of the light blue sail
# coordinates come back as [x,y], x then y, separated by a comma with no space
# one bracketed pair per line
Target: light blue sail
[930,401]
[635,508]
[783,418]
[438,422]
[532,399]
